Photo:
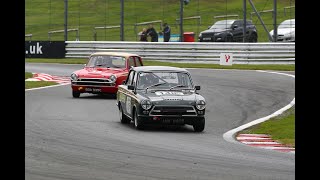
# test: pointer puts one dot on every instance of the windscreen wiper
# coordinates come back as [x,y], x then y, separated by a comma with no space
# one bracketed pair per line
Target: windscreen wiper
[179,85]
[154,85]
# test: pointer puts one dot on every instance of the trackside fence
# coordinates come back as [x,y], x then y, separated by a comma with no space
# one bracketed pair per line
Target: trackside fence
[193,52]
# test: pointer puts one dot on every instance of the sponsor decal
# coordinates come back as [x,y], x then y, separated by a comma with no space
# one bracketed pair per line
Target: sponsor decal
[128,105]
[45,49]
[160,93]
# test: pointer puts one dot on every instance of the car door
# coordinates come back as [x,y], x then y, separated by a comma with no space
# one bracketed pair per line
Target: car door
[127,99]
[237,31]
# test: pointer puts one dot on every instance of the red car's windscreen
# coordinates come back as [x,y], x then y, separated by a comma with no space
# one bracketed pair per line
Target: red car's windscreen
[107,61]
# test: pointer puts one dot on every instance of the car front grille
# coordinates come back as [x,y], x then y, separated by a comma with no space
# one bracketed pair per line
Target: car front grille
[93,82]
[206,35]
[173,111]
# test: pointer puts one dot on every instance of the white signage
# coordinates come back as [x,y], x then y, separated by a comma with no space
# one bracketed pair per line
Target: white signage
[226,59]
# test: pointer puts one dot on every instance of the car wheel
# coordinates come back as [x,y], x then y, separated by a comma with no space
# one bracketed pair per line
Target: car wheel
[228,39]
[75,94]
[137,122]
[123,118]
[253,38]
[199,126]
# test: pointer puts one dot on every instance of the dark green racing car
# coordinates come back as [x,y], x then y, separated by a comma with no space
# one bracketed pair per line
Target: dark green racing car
[160,95]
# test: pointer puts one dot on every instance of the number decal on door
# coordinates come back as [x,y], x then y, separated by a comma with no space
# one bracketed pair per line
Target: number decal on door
[128,105]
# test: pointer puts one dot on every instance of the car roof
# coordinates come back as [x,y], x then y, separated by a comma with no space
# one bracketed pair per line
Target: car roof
[113,54]
[158,68]
[232,20]
[293,20]
[229,20]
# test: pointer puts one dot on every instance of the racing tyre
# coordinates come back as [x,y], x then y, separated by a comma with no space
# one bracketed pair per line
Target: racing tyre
[199,126]
[228,39]
[75,94]
[253,38]
[123,118]
[137,122]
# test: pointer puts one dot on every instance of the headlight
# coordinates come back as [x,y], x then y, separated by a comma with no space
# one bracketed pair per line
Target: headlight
[74,77]
[217,34]
[113,78]
[200,104]
[146,104]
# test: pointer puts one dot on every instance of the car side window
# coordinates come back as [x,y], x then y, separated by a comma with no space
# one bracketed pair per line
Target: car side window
[137,59]
[238,23]
[131,62]
[130,78]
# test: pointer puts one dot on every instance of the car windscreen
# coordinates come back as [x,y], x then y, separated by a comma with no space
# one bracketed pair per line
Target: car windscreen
[225,24]
[107,61]
[164,80]
[287,24]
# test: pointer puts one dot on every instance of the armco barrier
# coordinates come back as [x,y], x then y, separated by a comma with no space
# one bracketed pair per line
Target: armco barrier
[243,53]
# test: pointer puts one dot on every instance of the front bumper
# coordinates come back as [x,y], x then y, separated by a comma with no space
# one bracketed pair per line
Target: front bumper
[170,120]
[95,89]
[215,38]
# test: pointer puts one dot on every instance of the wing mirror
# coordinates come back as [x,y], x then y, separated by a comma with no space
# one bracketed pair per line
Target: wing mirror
[197,87]
[234,26]
[84,65]
[123,82]
[130,87]
[209,27]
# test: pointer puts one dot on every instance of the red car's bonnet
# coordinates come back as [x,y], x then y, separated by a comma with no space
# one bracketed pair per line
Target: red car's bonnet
[98,72]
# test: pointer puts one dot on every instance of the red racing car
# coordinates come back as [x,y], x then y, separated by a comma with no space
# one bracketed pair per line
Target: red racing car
[103,73]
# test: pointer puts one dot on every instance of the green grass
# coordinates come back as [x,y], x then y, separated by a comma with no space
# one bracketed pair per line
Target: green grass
[35,84]
[281,128]
[217,66]
[182,65]
[42,16]
[60,61]
[28,75]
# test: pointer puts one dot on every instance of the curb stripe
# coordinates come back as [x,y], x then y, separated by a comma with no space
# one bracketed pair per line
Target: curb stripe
[230,135]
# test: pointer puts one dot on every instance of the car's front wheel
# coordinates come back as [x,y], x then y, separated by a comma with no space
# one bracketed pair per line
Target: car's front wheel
[75,94]
[199,126]
[137,121]
[123,118]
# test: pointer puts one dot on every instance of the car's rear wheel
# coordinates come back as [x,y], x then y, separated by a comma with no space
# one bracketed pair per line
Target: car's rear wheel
[228,38]
[199,126]
[137,122]
[75,94]
[123,118]
[253,38]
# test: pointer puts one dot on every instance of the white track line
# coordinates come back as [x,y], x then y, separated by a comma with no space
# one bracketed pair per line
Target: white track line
[230,135]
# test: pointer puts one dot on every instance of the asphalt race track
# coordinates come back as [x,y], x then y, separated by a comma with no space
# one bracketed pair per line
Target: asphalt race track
[67,138]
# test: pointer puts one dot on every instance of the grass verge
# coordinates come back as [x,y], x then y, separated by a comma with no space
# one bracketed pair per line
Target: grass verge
[28,75]
[275,67]
[281,128]
[35,84]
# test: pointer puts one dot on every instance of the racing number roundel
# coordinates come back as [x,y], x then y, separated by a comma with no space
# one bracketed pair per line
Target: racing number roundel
[128,105]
